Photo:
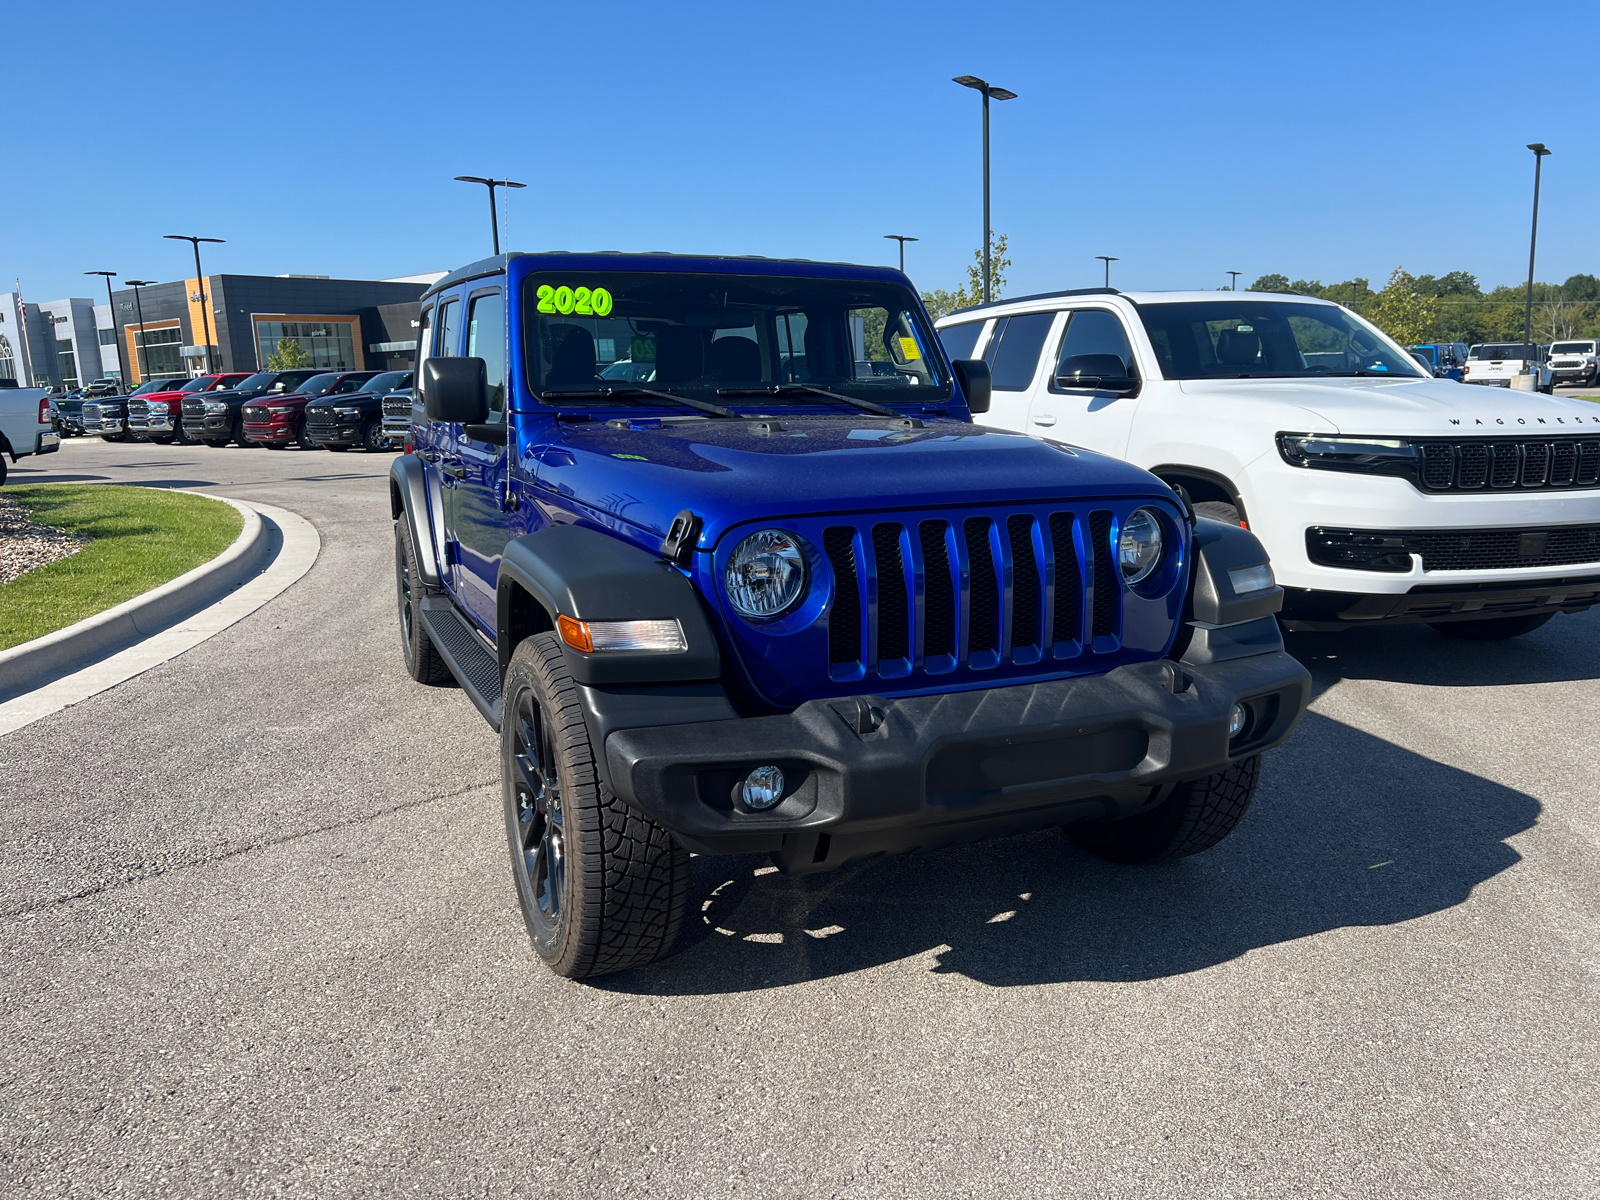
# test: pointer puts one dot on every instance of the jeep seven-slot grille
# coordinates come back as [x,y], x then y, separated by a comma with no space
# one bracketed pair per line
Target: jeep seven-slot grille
[1502,464]
[978,589]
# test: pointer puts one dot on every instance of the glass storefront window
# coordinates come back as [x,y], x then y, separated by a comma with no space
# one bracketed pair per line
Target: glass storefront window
[8,362]
[67,362]
[158,352]
[331,344]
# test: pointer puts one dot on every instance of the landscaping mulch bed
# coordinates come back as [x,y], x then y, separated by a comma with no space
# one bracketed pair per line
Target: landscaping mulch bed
[26,544]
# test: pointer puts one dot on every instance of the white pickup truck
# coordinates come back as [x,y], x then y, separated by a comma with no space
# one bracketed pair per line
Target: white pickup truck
[25,425]
[1496,364]
[1384,496]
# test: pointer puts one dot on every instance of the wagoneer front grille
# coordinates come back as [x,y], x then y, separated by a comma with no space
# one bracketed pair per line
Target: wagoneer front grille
[1497,464]
[910,601]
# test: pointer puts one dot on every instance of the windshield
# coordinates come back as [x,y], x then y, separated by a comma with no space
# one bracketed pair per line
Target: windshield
[199,385]
[1249,339]
[317,385]
[1572,348]
[256,382]
[694,334]
[387,382]
[1502,350]
[155,385]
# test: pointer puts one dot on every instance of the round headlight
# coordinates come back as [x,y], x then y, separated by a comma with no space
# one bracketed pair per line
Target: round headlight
[1139,545]
[766,574]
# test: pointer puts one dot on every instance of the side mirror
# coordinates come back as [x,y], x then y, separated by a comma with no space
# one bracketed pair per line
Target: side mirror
[456,390]
[1096,372]
[973,376]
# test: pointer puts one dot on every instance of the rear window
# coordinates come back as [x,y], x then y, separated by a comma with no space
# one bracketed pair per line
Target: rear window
[960,339]
[1502,350]
[1013,351]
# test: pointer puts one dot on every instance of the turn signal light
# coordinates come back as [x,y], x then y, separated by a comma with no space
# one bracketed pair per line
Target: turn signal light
[598,637]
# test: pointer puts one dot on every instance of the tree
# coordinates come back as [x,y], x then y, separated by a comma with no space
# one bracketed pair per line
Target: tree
[1401,312]
[290,354]
[1272,283]
[942,303]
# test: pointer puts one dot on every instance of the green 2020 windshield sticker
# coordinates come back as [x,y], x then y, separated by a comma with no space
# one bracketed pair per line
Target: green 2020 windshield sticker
[586,302]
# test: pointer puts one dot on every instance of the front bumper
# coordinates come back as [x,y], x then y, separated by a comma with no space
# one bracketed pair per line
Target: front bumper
[269,433]
[335,435]
[144,429]
[1436,603]
[869,775]
[209,425]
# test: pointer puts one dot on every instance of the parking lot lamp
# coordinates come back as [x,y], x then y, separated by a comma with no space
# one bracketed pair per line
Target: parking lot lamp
[998,93]
[138,307]
[111,304]
[205,304]
[1234,286]
[902,239]
[491,184]
[1539,152]
[1108,259]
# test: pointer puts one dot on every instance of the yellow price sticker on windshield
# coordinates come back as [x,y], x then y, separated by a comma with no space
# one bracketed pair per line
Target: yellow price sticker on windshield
[908,347]
[585,302]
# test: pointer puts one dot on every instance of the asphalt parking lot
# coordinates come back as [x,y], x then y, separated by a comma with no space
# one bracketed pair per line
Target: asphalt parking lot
[259,938]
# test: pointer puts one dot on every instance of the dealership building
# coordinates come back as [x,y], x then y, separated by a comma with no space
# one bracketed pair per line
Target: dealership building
[340,324]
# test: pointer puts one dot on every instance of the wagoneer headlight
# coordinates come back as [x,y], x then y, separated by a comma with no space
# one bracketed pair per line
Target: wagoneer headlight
[1139,545]
[766,574]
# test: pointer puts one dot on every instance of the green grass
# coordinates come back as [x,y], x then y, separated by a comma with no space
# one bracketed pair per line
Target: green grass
[142,538]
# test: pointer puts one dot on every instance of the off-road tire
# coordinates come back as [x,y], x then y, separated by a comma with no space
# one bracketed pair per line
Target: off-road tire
[239,438]
[182,437]
[1492,629]
[1198,815]
[625,879]
[1218,510]
[303,440]
[423,661]
[373,437]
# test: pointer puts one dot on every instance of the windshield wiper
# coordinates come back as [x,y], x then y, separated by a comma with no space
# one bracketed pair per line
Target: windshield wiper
[796,389]
[633,393]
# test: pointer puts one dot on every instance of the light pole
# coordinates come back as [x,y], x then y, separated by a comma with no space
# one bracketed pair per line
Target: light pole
[111,305]
[979,85]
[1539,152]
[1108,259]
[136,284]
[205,304]
[491,184]
[902,239]
[1234,286]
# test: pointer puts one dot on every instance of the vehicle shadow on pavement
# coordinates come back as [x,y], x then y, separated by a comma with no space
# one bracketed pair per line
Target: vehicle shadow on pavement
[1347,830]
[1564,650]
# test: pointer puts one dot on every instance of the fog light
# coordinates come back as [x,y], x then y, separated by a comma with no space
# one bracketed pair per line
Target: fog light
[763,787]
[1237,719]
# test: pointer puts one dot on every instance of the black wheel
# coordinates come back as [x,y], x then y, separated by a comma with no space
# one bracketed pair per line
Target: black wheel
[216,443]
[271,445]
[1198,815]
[1218,510]
[422,661]
[337,449]
[372,437]
[602,887]
[2,470]
[239,438]
[183,437]
[303,440]
[1492,629]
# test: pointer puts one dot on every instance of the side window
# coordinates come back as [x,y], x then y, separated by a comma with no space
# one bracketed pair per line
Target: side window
[1094,331]
[424,344]
[486,339]
[960,339]
[1013,351]
[449,343]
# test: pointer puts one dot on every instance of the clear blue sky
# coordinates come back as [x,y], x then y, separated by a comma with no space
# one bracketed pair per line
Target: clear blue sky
[1324,140]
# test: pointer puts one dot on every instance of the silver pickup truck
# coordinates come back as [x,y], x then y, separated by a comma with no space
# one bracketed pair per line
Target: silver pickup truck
[25,424]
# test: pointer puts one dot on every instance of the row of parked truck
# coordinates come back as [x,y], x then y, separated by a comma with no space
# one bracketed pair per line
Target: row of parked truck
[305,407]
[1497,364]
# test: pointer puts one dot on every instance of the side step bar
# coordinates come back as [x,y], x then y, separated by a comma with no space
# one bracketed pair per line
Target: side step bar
[475,666]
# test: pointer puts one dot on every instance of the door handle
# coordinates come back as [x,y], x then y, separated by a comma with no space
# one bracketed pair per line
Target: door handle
[1044,419]
[454,470]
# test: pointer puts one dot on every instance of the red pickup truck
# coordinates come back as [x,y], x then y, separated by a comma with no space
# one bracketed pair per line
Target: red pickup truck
[277,421]
[158,417]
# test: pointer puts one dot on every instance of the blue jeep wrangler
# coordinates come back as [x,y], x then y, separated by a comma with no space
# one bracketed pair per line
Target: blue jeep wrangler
[716,546]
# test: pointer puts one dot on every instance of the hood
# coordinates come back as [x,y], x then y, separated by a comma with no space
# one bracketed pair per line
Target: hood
[726,472]
[1412,407]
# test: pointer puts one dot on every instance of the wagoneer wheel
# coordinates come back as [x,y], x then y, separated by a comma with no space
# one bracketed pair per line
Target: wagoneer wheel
[1198,815]
[422,661]
[602,887]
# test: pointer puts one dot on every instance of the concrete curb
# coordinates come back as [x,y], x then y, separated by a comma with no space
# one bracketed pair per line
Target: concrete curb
[34,664]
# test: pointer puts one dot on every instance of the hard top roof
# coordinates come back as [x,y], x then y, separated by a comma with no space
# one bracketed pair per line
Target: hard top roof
[662,260]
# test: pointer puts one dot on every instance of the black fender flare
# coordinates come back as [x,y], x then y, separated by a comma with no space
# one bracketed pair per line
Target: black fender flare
[590,575]
[408,502]
[1168,472]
